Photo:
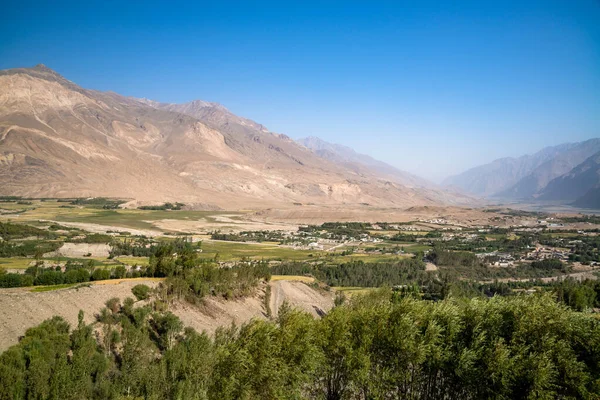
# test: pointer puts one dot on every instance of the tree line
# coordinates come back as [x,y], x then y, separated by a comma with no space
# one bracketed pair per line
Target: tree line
[359,273]
[380,346]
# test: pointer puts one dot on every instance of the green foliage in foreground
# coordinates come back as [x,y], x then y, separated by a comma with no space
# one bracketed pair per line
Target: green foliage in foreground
[378,347]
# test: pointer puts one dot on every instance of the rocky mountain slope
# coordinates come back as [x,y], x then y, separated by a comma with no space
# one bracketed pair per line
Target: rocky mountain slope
[591,199]
[574,184]
[498,175]
[562,163]
[58,139]
[340,154]
[524,178]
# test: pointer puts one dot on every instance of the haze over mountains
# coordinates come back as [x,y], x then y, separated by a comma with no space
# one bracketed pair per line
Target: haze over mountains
[58,139]
[562,174]
[358,162]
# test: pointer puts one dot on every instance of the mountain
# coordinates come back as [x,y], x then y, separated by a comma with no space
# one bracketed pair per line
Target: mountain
[58,139]
[574,184]
[571,156]
[500,174]
[523,177]
[340,154]
[591,199]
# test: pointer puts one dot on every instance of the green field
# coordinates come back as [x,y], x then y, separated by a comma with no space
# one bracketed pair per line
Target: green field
[231,251]
[15,262]
[129,260]
[55,287]
[135,219]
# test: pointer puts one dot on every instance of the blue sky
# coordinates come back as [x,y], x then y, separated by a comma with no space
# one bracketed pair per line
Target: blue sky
[430,87]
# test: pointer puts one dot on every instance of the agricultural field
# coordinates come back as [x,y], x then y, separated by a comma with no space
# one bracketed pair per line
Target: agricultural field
[135,219]
[235,251]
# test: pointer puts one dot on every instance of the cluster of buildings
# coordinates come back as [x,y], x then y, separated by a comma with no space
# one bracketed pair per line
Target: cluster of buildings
[545,253]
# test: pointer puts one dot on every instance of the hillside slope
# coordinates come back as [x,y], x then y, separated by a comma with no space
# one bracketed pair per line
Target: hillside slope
[37,307]
[575,183]
[356,161]
[58,139]
[525,177]
[501,174]
[555,167]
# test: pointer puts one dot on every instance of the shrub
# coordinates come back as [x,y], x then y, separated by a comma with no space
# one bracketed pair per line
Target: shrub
[100,274]
[141,292]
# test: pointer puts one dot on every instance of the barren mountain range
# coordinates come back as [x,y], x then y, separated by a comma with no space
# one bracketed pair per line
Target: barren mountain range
[560,174]
[359,162]
[58,139]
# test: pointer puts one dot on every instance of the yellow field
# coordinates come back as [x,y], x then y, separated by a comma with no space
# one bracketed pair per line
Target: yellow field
[130,260]
[297,278]
[118,281]
[15,262]
[350,291]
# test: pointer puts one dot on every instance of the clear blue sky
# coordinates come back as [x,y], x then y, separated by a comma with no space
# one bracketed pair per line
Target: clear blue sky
[431,87]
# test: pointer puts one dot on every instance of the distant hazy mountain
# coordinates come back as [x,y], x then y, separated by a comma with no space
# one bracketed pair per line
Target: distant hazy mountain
[526,177]
[562,163]
[499,175]
[574,184]
[589,200]
[351,159]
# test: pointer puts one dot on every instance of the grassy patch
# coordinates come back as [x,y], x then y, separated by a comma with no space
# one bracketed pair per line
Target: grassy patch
[119,281]
[349,290]
[297,278]
[135,219]
[15,263]
[231,251]
[416,248]
[130,260]
[38,289]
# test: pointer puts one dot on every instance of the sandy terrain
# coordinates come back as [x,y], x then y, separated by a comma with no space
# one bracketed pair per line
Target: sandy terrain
[224,223]
[21,309]
[217,312]
[318,214]
[79,250]
[430,267]
[299,295]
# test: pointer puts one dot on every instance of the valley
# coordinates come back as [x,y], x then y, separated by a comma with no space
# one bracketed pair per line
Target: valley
[74,246]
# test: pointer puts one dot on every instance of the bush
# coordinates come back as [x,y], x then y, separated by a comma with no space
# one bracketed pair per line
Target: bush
[119,272]
[141,292]
[9,280]
[100,274]
[49,277]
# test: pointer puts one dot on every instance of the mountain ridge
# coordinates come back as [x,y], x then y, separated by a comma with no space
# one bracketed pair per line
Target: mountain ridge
[522,178]
[59,139]
[344,154]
